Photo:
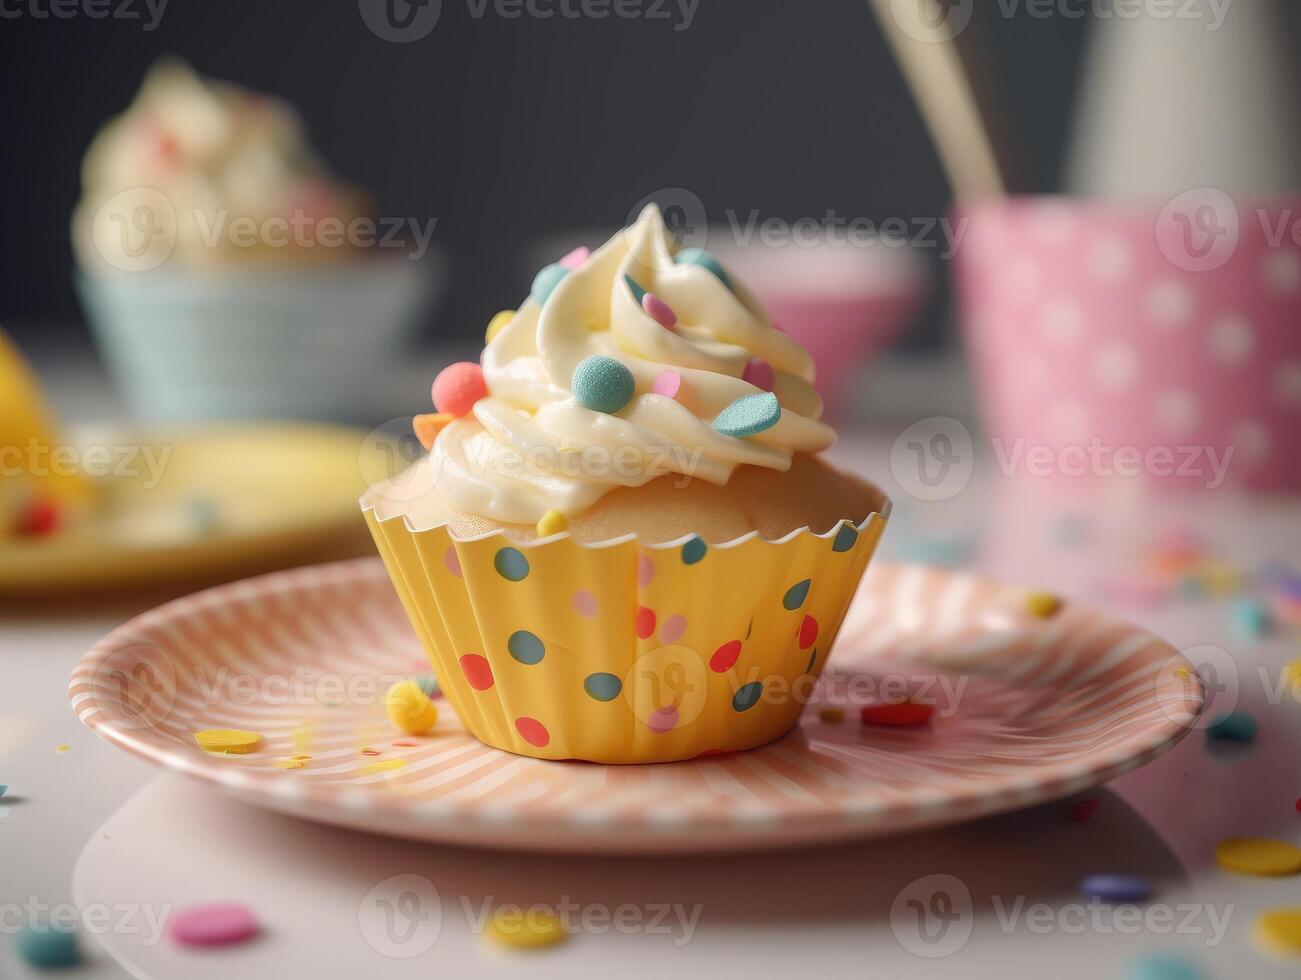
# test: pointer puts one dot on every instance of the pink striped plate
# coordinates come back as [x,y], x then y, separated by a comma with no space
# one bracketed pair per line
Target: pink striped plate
[1026,710]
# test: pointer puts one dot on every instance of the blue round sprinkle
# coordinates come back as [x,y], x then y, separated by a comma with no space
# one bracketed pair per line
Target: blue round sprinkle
[602,384]
[428,685]
[49,949]
[525,647]
[1236,726]
[1163,966]
[749,415]
[546,281]
[698,256]
[635,287]
[603,687]
[796,594]
[747,697]
[510,564]
[693,551]
[1116,889]
[845,538]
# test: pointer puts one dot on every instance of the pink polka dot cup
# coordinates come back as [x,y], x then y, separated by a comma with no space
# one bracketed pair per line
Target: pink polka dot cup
[1164,341]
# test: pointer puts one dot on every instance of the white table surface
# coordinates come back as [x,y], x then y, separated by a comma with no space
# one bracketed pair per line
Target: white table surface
[1163,820]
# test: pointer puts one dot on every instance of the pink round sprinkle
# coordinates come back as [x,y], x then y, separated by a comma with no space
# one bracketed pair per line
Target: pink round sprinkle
[645,570]
[585,603]
[667,383]
[659,311]
[759,373]
[213,925]
[576,258]
[673,628]
[663,720]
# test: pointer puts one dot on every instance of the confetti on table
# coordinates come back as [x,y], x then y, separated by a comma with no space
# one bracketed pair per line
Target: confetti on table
[409,708]
[1043,604]
[381,767]
[1116,889]
[213,925]
[228,741]
[62,748]
[1251,619]
[1165,966]
[1279,930]
[48,949]
[526,929]
[831,715]
[1258,856]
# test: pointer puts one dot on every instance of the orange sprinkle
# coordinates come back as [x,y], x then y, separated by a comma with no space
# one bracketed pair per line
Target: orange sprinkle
[427,427]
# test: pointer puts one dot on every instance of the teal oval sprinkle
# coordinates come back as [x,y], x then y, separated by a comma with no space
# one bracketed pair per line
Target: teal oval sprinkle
[1164,966]
[526,647]
[698,256]
[602,384]
[49,949]
[511,565]
[603,687]
[747,697]
[693,551]
[428,685]
[637,291]
[845,538]
[545,283]
[1236,726]
[749,415]
[796,594]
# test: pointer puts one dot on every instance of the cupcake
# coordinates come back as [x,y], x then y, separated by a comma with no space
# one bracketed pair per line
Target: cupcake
[225,270]
[622,545]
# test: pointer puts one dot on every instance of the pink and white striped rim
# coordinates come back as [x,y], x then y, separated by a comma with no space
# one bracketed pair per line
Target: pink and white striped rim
[1026,710]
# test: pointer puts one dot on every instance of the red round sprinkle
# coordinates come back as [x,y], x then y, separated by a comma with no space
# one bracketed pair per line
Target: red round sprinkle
[532,731]
[477,671]
[457,387]
[908,713]
[644,624]
[41,518]
[724,657]
[808,632]
[1083,810]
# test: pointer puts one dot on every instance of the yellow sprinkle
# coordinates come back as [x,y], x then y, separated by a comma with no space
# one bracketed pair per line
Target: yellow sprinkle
[1258,856]
[534,928]
[1292,678]
[228,741]
[302,742]
[409,708]
[301,757]
[1280,929]
[1183,672]
[62,748]
[1043,604]
[385,765]
[831,715]
[553,522]
[291,764]
[497,324]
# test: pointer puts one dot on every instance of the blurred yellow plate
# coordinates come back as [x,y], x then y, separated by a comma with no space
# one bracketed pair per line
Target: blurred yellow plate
[197,503]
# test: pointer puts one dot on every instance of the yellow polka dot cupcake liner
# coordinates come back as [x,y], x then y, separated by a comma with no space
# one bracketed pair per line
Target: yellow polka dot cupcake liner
[623,652]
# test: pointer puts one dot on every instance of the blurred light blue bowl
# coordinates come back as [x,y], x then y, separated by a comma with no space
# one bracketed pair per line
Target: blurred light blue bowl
[268,343]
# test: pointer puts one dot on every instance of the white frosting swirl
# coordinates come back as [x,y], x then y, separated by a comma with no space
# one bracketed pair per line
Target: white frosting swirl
[531,447]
